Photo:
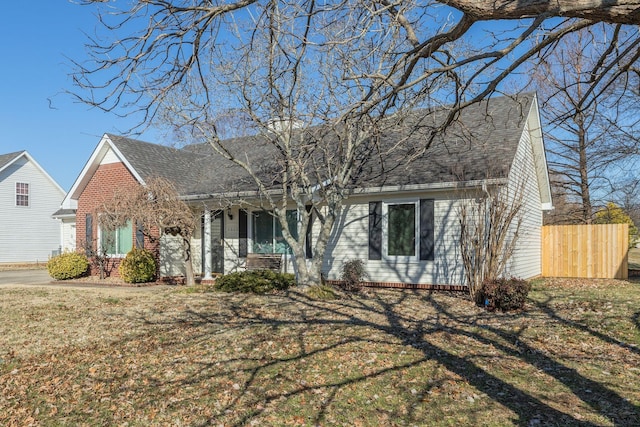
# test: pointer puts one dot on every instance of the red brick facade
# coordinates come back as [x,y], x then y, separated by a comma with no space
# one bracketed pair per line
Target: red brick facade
[100,188]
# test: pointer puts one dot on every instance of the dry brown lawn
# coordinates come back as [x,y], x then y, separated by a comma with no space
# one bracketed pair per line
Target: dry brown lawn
[183,356]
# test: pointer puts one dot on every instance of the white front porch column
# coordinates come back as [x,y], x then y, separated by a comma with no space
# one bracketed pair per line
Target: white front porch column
[207,244]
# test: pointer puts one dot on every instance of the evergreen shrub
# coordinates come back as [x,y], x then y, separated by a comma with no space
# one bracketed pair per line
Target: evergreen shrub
[254,281]
[139,266]
[68,265]
[504,294]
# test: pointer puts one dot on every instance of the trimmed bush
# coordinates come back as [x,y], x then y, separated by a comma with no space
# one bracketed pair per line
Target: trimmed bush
[504,294]
[139,266]
[69,265]
[255,281]
[353,274]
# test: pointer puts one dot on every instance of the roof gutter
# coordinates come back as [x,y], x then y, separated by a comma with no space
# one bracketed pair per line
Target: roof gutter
[388,189]
[227,195]
[438,186]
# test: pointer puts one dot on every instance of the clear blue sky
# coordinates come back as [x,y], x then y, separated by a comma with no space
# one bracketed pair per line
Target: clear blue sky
[61,133]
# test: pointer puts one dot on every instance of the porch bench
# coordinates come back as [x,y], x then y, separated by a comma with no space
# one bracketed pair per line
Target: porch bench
[264,262]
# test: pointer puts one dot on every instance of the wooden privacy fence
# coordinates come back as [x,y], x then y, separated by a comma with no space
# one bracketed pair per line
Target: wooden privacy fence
[588,251]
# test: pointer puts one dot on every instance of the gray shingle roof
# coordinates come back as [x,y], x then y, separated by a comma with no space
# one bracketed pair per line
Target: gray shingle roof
[64,212]
[480,144]
[9,157]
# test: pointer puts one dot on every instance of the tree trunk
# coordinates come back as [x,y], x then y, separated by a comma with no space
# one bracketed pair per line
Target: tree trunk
[309,271]
[587,209]
[620,11]
[188,263]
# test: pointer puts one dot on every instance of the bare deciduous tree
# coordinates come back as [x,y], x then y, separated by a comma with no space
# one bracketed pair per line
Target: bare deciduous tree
[98,256]
[489,230]
[591,134]
[154,208]
[152,47]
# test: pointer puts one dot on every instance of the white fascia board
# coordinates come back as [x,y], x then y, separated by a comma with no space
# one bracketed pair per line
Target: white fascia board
[90,168]
[438,186]
[390,189]
[37,165]
[12,161]
[539,154]
[124,160]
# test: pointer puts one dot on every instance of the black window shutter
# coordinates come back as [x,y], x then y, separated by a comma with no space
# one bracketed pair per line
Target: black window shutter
[308,243]
[375,230]
[242,234]
[88,233]
[139,235]
[426,230]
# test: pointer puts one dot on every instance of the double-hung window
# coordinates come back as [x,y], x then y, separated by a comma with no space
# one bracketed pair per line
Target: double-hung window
[22,194]
[401,230]
[399,222]
[117,242]
[267,232]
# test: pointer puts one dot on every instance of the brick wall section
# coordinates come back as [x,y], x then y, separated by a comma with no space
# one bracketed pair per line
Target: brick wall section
[101,187]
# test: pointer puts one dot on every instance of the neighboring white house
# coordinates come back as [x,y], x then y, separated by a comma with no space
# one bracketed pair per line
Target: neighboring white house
[28,196]
[495,143]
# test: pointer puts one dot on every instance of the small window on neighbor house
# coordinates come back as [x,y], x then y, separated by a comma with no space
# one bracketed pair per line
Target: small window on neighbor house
[22,194]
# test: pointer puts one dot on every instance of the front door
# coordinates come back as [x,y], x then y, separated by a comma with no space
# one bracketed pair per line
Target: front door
[217,242]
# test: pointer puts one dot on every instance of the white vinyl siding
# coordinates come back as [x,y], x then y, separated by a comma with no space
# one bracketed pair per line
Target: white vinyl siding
[28,234]
[171,258]
[68,235]
[351,237]
[526,262]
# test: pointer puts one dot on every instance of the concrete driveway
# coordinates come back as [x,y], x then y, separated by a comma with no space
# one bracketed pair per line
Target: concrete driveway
[24,277]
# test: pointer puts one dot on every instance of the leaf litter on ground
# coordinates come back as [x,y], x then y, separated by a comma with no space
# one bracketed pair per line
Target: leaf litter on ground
[392,357]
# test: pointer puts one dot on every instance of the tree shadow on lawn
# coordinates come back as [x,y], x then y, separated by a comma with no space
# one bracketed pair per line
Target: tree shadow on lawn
[440,331]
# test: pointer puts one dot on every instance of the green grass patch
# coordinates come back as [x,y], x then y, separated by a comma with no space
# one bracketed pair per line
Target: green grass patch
[382,357]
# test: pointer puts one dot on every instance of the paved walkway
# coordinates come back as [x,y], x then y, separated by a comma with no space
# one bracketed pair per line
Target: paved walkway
[24,277]
[42,278]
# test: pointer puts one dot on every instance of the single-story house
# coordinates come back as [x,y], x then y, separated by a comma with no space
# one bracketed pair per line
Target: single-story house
[28,196]
[497,142]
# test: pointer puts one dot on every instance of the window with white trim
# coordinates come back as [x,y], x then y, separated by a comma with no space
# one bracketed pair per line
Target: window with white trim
[117,243]
[22,194]
[402,230]
[267,232]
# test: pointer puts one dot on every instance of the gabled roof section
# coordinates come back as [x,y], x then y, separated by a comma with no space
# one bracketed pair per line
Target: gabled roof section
[153,160]
[144,160]
[479,145]
[539,155]
[7,160]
